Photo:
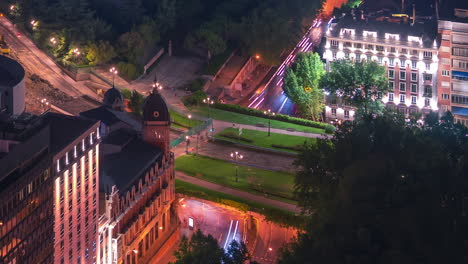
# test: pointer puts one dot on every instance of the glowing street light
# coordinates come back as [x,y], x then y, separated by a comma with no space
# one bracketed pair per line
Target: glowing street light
[34,24]
[187,143]
[257,56]
[236,156]
[269,113]
[114,72]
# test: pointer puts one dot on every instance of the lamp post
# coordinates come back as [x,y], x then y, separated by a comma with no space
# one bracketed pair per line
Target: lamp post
[45,104]
[236,156]
[190,121]
[53,41]
[187,142]
[209,102]
[77,53]
[269,113]
[114,72]
[157,85]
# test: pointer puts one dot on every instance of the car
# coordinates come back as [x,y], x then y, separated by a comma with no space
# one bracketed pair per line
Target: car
[18,34]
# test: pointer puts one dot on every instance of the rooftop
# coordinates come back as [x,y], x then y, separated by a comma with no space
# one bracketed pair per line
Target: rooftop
[110,117]
[125,167]
[11,72]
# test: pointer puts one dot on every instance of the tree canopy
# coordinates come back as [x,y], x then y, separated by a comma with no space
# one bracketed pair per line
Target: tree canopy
[204,249]
[301,84]
[360,84]
[384,191]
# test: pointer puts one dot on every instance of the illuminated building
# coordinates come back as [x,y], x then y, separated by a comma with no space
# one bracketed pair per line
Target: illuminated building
[49,171]
[453,64]
[406,46]
[137,182]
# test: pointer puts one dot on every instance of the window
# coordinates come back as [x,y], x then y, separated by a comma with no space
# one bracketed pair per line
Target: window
[333,111]
[346,114]
[369,57]
[404,51]
[346,55]
[428,77]
[461,64]
[445,61]
[347,44]
[391,74]
[427,54]
[427,102]
[414,52]
[380,60]
[334,54]
[445,73]
[462,52]
[402,75]
[459,99]
[414,88]
[428,66]
[427,91]
[414,77]
[413,99]
[358,45]
[391,85]
[379,48]
[402,98]
[379,95]
[413,65]
[391,61]
[402,87]
[370,47]
[334,43]
[392,49]
[390,97]
[358,57]
[445,96]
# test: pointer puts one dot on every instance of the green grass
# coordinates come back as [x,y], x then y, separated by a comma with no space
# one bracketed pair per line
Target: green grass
[218,114]
[181,121]
[277,185]
[261,139]
[272,213]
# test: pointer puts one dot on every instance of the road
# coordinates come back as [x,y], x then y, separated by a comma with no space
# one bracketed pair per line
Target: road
[263,238]
[270,95]
[36,61]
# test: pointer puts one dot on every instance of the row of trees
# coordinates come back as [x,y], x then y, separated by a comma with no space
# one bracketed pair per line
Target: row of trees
[359,84]
[384,191]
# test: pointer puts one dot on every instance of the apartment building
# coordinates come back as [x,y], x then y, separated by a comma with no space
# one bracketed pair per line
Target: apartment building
[48,189]
[453,67]
[405,46]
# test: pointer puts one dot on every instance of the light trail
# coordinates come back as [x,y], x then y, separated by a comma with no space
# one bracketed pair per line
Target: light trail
[229,233]
[259,103]
[235,230]
[282,105]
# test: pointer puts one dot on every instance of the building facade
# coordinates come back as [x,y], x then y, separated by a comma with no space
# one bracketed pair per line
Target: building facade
[453,67]
[49,175]
[399,43]
[137,182]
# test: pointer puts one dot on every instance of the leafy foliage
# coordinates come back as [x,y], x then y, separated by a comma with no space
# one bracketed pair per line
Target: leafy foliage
[100,53]
[204,249]
[301,84]
[359,84]
[384,191]
[136,102]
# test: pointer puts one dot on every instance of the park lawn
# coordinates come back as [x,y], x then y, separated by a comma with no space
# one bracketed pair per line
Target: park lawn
[181,121]
[261,139]
[277,215]
[275,184]
[218,114]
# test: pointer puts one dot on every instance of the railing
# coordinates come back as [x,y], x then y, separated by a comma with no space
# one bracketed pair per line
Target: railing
[193,131]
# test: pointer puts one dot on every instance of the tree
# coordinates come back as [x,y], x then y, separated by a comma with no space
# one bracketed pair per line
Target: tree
[100,53]
[132,46]
[204,249]
[166,14]
[384,191]
[301,84]
[360,84]
[136,102]
[206,39]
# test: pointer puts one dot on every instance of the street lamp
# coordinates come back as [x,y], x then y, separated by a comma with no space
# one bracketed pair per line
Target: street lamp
[53,41]
[187,143]
[34,24]
[209,102]
[45,104]
[114,72]
[77,53]
[236,156]
[269,113]
[190,121]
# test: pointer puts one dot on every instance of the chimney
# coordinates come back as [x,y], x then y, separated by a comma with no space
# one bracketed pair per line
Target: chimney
[414,14]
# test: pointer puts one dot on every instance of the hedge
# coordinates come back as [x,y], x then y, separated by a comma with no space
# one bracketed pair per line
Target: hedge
[254,112]
[235,136]
[293,148]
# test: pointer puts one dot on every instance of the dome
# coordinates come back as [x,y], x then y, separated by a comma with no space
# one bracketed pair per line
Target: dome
[113,97]
[155,108]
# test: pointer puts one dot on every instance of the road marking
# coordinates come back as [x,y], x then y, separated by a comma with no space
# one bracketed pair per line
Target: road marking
[229,233]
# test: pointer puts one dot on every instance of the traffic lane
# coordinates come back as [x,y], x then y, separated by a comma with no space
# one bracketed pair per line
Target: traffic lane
[223,224]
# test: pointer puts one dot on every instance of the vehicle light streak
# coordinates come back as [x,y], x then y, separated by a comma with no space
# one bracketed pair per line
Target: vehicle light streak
[229,233]
[259,103]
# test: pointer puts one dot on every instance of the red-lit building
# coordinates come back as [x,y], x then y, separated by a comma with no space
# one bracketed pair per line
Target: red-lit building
[49,171]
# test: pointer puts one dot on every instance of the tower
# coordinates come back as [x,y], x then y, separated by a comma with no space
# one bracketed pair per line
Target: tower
[156,121]
[114,99]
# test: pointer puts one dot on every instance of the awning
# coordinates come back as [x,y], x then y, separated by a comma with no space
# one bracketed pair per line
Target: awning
[460,74]
[460,111]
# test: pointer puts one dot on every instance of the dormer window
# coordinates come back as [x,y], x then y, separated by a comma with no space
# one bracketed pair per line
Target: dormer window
[392,36]
[369,34]
[347,31]
[414,39]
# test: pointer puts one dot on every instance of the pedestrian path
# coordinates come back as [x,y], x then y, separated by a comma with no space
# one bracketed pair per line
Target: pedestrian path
[237,193]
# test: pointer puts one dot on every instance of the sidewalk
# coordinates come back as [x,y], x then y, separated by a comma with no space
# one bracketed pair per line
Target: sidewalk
[237,193]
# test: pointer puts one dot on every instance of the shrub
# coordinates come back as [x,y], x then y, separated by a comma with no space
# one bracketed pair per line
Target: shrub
[196,85]
[128,70]
[293,148]
[127,94]
[233,135]
[195,99]
[279,117]
[329,129]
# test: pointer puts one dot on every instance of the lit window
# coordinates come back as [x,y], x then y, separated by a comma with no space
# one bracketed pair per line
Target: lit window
[445,96]
[66,158]
[82,145]
[58,165]
[402,98]
[75,153]
[445,73]
[427,54]
[346,114]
